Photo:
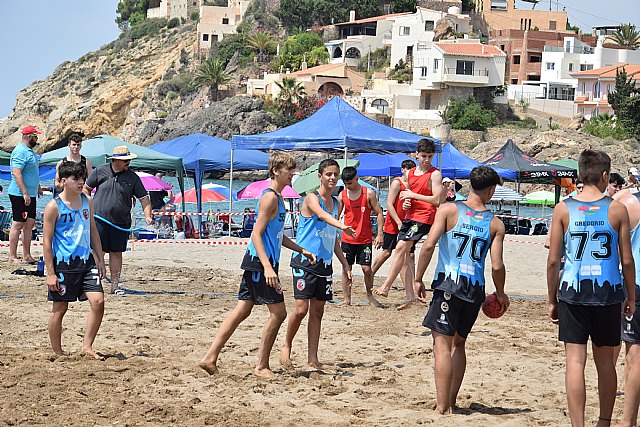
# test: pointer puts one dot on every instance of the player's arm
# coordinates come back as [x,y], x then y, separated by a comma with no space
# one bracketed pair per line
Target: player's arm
[290,244]
[313,204]
[57,182]
[51,215]
[394,192]
[267,210]
[91,182]
[619,212]
[96,244]
[498,271]
[556,247]
[377,209]
[346,268]
[436,190]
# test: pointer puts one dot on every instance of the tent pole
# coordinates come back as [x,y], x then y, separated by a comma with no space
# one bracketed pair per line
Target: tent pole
[345,156]
[230,191]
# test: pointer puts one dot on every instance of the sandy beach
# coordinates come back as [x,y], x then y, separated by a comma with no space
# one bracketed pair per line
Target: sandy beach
[382,359]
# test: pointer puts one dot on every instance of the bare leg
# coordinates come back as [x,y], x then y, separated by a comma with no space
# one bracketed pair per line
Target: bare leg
[443,370]
[607,382]
[14,236]
[55,326]
[94,319]
[396,265]
[346,289]
[241,311]
[295,319]
[459,366]
[631,386]
[380,260]
[277,314]
[115,268]
[313,331]
[368,284]
[576,358]
[26,240]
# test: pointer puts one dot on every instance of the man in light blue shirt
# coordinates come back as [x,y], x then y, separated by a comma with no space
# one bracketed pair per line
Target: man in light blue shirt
[25,185]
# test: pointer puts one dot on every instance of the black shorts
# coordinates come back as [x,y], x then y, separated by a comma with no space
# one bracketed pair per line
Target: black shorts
[449,315]
[576,323]
[20,211]
[413,230]
[631,328]
[308,286]
[112,239]
[253,287]
[391,241]
[75,285]
[357,254]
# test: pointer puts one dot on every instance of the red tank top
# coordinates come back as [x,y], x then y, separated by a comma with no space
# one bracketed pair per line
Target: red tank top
[420,211]
[357,214]
[390,226]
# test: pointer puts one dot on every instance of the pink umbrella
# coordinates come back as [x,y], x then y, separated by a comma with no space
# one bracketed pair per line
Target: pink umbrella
[255,190]
[208,196]
[152,182]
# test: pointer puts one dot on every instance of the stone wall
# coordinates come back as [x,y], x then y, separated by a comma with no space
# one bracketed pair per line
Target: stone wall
[440,5]
[414,125]
[466,140]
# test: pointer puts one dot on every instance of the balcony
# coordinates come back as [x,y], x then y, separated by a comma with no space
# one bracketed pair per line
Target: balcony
[576,49]
[456,77]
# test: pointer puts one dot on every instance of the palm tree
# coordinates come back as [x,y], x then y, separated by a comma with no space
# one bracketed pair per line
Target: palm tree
[627,36]
[211,73]
[263,42]
[291,92]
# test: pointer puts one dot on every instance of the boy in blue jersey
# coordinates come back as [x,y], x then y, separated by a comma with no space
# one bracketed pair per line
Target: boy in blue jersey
[592,231]
[465,232]
[631,325]
[73,273]
[260,283]
[312,282]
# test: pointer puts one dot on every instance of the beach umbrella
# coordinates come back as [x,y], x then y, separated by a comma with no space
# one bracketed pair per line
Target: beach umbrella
[208,196]
[152,182]
[504,194]
[221,189]
[308,181]
[255,190]
[541,198]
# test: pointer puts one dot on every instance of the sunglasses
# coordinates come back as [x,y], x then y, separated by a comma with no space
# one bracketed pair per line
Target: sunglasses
[35,135]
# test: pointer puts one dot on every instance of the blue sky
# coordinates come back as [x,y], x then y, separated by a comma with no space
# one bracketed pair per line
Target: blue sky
[38,35]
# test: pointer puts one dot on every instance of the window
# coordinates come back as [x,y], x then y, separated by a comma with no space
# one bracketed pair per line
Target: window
[205,37]
[386,9]
[516,59]
[502,47]
[586,67]
[423,46]
[595,112]
[551,65]
[405,31]
[352,52]
[381,105]
[514,81]
[534,58]
[498,4]
[436,64]
[423,71]
[596,90]
[552,25]
[567,46]
[464,68]
[570,66]
[225,21]
[429,25]
[584,88]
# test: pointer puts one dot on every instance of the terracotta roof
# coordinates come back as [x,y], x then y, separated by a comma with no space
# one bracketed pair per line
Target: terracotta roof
[469,49]
[316,70]
[610,72]
[580,99]
[373,19]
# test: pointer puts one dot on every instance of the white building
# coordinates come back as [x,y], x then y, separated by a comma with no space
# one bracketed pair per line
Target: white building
[559,63]
[172,8]
[218,21]
[415,32]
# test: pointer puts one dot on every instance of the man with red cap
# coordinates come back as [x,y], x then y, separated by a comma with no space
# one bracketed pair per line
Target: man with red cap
[25,185]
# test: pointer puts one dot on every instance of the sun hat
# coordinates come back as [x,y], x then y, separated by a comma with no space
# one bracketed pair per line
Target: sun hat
[634,171]
[30,130]
[121,152]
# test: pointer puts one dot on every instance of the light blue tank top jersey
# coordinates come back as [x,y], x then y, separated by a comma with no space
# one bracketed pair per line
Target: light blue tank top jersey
[591,274]
[72,237]
[319,238]
[635,249]
[461,255]
[272,239]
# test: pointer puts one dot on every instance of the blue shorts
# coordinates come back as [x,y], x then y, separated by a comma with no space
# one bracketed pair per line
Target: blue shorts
[75,284]
[307,285]
[253,287]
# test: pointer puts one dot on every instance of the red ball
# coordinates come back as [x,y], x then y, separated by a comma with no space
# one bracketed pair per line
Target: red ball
[491,307]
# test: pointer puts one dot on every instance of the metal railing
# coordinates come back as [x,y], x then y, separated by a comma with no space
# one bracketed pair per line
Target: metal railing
[576,49]
[460,72]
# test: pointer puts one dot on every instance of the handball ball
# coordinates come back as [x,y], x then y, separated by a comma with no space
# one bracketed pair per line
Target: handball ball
[491,307]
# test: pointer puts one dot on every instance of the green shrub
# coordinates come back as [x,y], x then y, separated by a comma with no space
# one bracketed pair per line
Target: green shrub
[469,115]
[604,126]
[554,126]
[173,22]
[229,45]
[195,16]
[528,123]
[148,27]
[171,95]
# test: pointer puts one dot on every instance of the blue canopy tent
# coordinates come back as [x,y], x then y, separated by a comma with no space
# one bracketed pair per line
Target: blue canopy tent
[454,164]
[46,173]
[372,164]
[203,153]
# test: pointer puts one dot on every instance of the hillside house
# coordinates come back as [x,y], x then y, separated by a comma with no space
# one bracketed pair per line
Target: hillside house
[218,21]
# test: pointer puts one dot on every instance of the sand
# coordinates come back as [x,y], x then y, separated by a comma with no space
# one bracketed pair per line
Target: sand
[382,359]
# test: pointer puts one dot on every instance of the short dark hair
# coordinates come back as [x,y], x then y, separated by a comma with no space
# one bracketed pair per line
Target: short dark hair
[408,164]
[426,146]
[68,169]
[616,178]
[74,138]
[349,173]
[591,165]
[327,163]
[483,177]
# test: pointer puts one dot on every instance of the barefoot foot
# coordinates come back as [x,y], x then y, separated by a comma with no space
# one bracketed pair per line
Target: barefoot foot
[285,358]
[345,302]
[209,367]
[90,352]
[381,292]
[406,305]
[265,373]
[320,366]
[374,302]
